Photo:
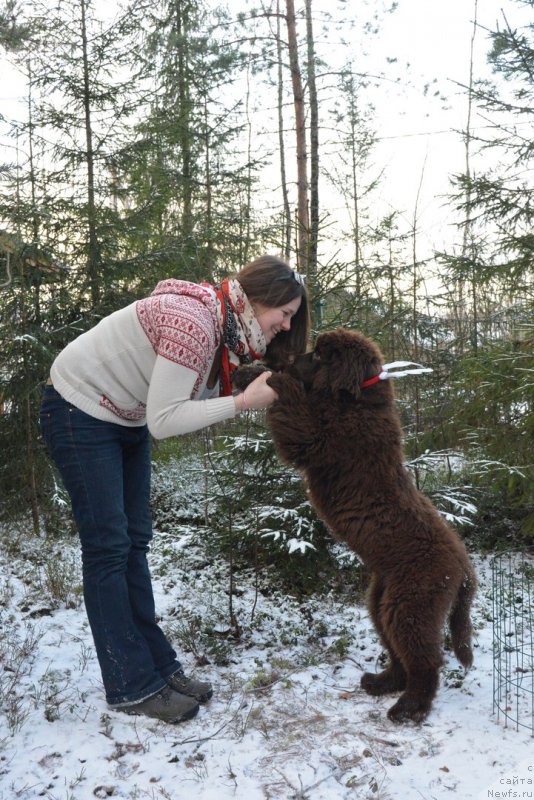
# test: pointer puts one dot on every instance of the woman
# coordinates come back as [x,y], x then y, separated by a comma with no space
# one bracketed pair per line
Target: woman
[163,366]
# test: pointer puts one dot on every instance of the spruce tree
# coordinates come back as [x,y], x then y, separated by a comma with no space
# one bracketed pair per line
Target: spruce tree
[187,180]
[495,266]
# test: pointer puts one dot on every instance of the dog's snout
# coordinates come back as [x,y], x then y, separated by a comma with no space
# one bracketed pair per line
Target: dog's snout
[303,368]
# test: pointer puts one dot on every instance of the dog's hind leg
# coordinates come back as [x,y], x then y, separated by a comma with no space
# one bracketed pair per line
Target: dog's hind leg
[393,678]
[416,634]
[416,701]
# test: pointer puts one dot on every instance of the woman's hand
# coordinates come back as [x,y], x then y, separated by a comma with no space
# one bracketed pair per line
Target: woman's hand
[257,395]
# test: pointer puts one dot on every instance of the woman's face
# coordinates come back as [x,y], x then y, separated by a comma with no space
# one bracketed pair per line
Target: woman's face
[274,320]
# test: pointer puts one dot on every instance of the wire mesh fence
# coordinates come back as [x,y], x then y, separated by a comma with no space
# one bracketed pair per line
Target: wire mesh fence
[513,640]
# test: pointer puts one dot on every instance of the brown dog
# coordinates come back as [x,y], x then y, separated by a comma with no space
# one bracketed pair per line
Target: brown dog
[347,441]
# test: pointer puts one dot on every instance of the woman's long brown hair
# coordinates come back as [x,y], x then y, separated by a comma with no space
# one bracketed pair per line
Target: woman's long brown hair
[269,280]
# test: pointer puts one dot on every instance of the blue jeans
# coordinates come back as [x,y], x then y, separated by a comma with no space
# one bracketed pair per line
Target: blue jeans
[105,468]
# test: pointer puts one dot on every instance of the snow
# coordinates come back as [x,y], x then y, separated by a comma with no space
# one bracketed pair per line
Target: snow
[287,720]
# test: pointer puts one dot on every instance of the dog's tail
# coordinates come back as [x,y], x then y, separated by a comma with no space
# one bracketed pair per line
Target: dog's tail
[460,620]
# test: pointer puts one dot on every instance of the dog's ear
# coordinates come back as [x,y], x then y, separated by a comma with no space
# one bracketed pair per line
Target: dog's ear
[348,358]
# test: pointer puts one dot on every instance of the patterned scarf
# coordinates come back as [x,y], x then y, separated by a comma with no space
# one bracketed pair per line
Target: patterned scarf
[188,335]
[242,335]
[180,328]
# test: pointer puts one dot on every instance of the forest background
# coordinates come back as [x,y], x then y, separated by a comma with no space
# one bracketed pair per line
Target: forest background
[183,138]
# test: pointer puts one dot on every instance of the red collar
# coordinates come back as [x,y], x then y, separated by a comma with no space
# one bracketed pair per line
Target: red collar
[372,381]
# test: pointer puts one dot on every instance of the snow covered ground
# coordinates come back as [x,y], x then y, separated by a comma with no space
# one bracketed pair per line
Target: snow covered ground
[288,719]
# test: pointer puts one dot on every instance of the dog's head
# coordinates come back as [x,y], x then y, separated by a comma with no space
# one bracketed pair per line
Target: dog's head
[340,362]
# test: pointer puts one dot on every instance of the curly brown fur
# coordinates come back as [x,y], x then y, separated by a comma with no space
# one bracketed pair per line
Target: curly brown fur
[347,441]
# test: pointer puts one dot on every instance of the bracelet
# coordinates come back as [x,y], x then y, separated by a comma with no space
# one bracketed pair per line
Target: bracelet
[245,406]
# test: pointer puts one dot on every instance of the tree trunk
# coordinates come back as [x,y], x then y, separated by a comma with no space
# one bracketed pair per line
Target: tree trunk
[314,171]
[247,238]
[392,307]
[303,223]
[33,191]
[210,250]
[415,286]
[467,222]
[461,312]
[184,112]
[28,416]
[355,208]
[93,256]
[286,215]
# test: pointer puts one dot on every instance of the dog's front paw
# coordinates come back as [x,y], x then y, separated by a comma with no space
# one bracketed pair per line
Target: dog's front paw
[243,376]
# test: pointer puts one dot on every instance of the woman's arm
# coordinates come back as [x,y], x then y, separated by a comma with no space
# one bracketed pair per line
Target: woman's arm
[171,412]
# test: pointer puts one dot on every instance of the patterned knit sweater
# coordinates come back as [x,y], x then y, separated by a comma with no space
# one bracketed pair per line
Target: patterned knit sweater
[149,363]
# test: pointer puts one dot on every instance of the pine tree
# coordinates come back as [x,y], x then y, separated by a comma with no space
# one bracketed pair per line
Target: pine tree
[187,183]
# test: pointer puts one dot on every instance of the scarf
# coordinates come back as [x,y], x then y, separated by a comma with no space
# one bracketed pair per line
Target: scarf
[179,327]
[189,335]
[242,335]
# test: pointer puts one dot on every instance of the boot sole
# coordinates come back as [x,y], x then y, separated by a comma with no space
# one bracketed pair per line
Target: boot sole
[184,717]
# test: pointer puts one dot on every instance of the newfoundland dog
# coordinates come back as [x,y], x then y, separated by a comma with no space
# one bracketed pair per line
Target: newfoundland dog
[336,422]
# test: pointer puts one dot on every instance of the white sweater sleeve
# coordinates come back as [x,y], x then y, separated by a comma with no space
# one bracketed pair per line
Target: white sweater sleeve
[169,409]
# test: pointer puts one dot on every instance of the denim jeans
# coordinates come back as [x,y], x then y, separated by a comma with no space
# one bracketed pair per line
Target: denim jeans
[105,468]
